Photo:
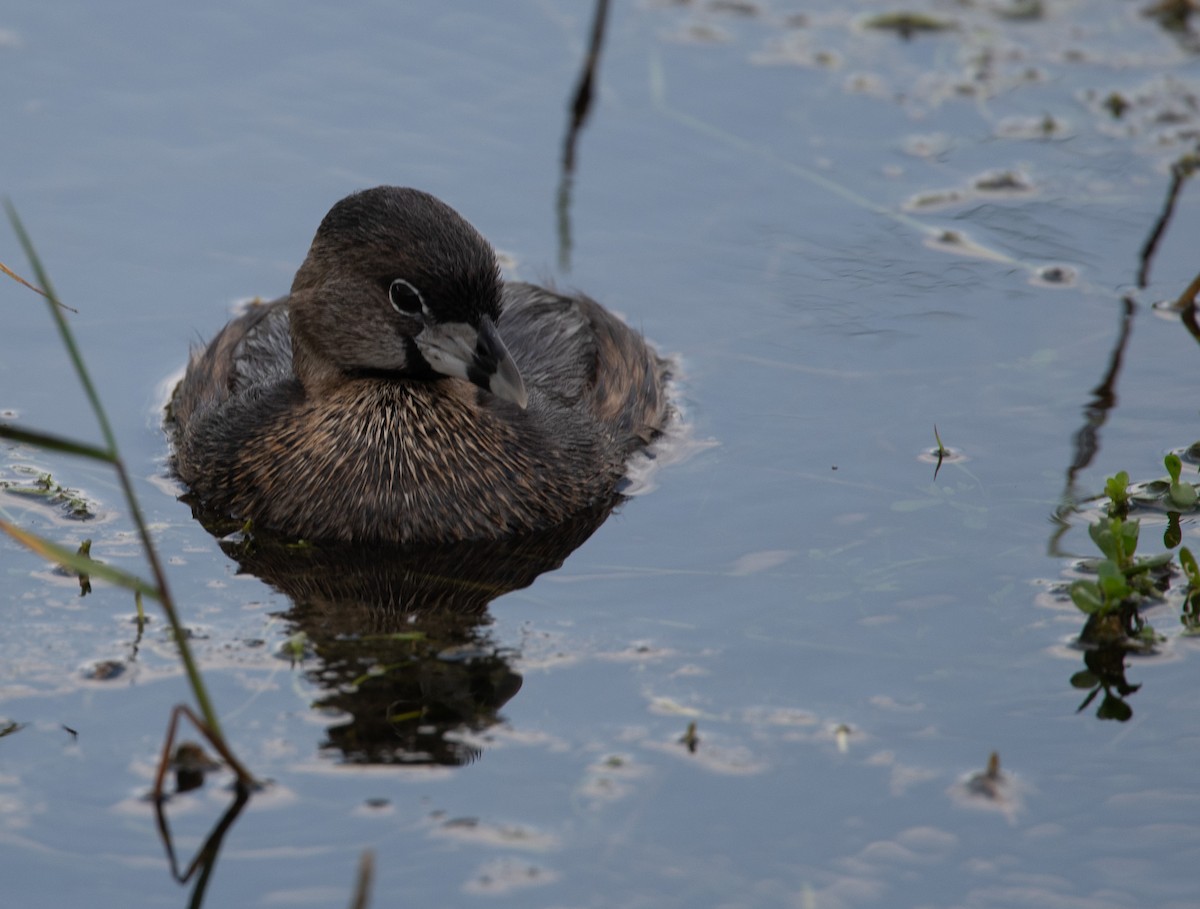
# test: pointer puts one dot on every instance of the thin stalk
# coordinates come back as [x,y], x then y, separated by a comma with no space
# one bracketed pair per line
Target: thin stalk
[55,443]
[111,453]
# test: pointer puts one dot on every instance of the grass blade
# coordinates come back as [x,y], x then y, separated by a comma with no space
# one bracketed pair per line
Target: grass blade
[55,443]
[64,331]
[161,592]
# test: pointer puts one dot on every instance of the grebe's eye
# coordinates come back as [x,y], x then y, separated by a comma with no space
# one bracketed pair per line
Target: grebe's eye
[405,298]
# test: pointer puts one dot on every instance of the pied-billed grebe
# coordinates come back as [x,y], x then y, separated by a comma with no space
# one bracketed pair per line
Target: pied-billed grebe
[403,393]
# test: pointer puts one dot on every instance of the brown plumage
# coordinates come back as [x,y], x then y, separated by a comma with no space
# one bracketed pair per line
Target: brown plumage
[403,393]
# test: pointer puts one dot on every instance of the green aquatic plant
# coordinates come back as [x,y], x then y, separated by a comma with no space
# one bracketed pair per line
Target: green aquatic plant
[1117,490]
[1172,494]
[1105,672]
[1124,580]
[1111,602]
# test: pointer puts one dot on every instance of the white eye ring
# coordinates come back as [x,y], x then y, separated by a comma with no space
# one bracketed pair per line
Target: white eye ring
[402,295]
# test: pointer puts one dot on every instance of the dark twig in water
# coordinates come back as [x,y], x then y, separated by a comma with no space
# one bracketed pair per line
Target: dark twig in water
[206,857]
[581,106]
[1104,398]
[1181,170]
[214,739]
[1104,395]
[1187,299]
[362,887]
[1186,307]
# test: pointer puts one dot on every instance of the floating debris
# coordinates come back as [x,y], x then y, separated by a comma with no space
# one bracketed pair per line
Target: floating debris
[1116,104]
[841,736]
[104,670]
[989,782]
[1021,11]
[191,763]
[1055,276]
[1043,127]
[1008,182]
[690,739]
[735,7]
[906,25]
[990,790]
[71,502]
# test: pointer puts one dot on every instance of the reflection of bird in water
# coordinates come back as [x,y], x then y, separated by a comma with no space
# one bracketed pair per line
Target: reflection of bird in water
[403,393]
[397,637]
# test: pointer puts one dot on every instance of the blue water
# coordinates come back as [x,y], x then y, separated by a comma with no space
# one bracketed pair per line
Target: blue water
[799,570]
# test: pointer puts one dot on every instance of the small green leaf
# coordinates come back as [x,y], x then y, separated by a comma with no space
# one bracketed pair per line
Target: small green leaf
[1113,708]
[1127,532]
[1174,466]
[1087,700]
[1102,535]
[1117,490]
[1113,585]
[1151,562]
[1183,495]
[1190,568]
[1086,595]
[1084,678]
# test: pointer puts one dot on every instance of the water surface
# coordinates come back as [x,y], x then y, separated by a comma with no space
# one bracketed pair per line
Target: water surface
[765,190]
